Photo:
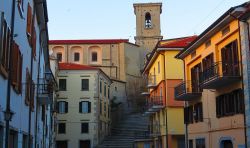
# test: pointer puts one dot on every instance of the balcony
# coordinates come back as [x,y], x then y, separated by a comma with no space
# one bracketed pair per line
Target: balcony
[187,91]
[157,102]
[145,91]
[45,92]
[151,81]
[220,74]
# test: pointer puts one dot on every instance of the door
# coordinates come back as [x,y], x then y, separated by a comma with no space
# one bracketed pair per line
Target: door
[61,144]
[195,78]
[85,144]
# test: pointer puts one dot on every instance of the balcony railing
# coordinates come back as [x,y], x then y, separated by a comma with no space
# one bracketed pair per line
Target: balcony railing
[154,104]
[151,81]
[45,92]
[220,74]
[145,91]
[187,90]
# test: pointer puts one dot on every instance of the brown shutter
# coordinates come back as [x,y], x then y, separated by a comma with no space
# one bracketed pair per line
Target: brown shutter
[34,42]
[20,73]
[29,22]
[14,59]
[32,95]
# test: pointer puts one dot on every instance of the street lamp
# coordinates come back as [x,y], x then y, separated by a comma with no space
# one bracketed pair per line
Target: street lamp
[8,115]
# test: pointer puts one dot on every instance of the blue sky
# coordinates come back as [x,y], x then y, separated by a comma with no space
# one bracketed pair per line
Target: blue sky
[109,19]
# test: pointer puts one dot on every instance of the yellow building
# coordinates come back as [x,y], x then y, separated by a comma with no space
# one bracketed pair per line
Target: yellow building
[164,72]
[83,104]
[214,112]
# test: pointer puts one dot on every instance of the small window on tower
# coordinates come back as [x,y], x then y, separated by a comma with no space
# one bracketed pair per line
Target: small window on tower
[148,23]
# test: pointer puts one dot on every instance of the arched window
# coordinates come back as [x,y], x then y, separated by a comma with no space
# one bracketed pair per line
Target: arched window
[148,22]
[76,56]
[94,56]
[59,56]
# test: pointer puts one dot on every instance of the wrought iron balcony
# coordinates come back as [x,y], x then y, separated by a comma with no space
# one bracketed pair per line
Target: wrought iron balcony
[145,91]
[152,81]
[157,102]
[187,91]
[45,92]
[220,74]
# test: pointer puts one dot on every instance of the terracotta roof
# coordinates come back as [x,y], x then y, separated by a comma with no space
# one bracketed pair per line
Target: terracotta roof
[95,41]
[177,43]
[72,66]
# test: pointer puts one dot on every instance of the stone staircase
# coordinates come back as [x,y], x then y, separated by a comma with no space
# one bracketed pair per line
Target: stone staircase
[133,126]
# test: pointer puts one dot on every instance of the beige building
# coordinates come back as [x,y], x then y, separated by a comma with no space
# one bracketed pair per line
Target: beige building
[118,58]
[148,25]
[83,106]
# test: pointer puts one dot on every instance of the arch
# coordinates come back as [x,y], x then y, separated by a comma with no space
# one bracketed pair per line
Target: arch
[226,142]
[59,52]
[148,21]
[95,55]
[76,54]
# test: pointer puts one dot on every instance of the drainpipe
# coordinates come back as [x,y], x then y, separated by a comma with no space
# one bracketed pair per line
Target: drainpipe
[245,126]
[165,93]
[8,110]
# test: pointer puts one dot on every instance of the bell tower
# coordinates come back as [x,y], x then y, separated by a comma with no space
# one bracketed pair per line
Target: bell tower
[148,30]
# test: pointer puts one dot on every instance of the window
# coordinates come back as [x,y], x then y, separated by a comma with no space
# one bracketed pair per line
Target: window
[62,84]
[196,78]
[159,67]
[25,141]
[193,54]
[200,143]
[108,93]
[13,139]
[94,56]
[29,23]
[207,43]
[4,46]
[76,56]
[105,90]
[85,107]
[188,115]
[100,106]
[148,23]
[230,59]
[85,84]
[190,143]
[100,86]
[225,30]
[105,107]
[61,128]
[230,104]
[85,128]
[59,56]
[17,69]
[62,107]
[27,87]
[198,113]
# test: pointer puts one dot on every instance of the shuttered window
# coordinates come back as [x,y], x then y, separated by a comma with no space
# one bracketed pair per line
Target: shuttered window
[85,107]
[85,84]
[62,107]
[29,23]
[4,46]
[27,87]
[230,104]
[17,60]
